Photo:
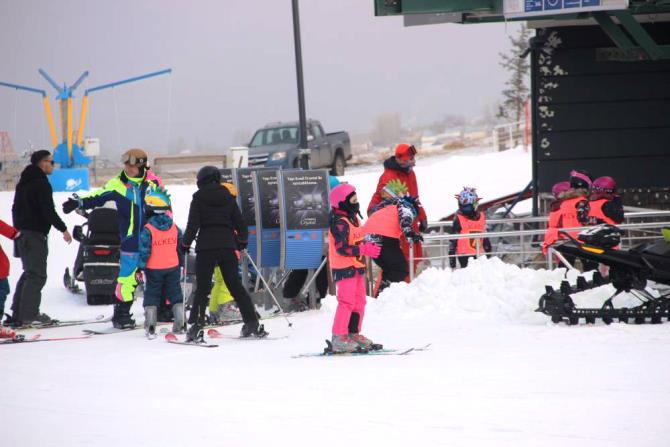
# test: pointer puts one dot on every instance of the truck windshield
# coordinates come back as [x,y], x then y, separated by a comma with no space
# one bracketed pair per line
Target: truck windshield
[275,135]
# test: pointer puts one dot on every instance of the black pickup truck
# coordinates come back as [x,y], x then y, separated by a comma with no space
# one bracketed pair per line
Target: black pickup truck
[277,145]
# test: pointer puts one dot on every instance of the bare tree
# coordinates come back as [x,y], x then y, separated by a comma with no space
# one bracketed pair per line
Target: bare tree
[517,91]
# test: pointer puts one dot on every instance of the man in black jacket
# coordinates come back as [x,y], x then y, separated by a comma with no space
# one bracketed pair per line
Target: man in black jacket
[217,221]
[34,214]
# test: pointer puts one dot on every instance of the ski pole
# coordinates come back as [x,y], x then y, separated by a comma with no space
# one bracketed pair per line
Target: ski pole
[183,288]
[267,286]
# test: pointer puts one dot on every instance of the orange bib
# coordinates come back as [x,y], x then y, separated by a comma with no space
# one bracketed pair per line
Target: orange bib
[469,246]
[163,248]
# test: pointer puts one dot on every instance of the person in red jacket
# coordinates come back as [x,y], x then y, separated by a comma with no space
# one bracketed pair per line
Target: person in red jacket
[604,203]
[400,168]
[9,232]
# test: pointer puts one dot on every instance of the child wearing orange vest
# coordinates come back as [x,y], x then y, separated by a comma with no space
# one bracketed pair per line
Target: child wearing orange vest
[391,223]
[467,220]
[552,234]
[574,209]
[346,249]
[161,258]
[604,203]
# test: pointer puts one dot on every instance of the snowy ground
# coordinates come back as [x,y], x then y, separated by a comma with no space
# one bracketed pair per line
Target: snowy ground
[497,373]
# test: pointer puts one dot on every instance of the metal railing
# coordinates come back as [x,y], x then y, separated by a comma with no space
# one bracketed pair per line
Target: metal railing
[524,247]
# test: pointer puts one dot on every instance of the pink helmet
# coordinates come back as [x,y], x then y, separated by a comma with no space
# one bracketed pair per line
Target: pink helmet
[340,193]
[559,188]
[604,184]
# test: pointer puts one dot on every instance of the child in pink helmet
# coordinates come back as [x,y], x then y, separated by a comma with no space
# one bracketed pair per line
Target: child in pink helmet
[346,249]
[604,202]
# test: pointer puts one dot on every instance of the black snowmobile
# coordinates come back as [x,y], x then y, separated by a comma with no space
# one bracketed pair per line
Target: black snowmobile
[629,272]
[97,261]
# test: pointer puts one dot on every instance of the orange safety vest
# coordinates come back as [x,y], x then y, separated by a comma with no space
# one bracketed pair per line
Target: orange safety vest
[551,235]
[384,222]
[568,215]
[338,261]
[469,246]
[163,248]
[596,210]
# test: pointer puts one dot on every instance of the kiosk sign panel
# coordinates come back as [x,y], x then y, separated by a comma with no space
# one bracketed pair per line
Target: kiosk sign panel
[247,203]
[266,192]
[532,8]
[226,175]
[304,217]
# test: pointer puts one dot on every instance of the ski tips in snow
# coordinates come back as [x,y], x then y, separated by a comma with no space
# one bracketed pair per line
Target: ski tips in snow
[170,337]
[213,333]
[19,339]
[330,353]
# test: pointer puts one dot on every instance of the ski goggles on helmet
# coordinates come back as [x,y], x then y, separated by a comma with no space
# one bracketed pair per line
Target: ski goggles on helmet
[133,160]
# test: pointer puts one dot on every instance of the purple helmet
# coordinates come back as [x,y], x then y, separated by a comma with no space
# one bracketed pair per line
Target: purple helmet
[559,188]
[604,184]
[580,179]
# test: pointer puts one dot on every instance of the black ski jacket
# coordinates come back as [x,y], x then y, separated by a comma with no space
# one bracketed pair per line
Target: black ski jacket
[33,207]
[215,219]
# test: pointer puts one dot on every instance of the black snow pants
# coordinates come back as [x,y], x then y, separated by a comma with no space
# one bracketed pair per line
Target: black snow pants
[205,261]
[33,250]
[392,262]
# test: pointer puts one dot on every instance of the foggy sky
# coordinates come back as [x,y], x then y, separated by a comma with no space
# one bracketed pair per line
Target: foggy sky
[234,67]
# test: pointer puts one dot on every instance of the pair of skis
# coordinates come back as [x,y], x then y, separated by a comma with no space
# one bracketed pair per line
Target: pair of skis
[20,338]
[65,323]
[213,333]
[329,352]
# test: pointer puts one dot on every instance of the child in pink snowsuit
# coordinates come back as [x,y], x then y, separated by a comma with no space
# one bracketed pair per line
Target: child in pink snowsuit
[346,249]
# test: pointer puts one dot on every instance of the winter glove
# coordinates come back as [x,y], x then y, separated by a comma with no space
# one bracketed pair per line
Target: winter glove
[369,249]
[242,245]
[70,205]
[139,277]
[423,226]
[186,249]
[414,237]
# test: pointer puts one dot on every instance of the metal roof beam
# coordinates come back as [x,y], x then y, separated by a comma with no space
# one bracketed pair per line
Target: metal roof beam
[643,38]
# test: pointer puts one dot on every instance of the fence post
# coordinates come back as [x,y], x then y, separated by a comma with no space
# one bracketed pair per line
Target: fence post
[411,260]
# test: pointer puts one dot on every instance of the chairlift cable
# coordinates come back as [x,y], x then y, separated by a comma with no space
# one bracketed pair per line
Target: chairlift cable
[116,118]
[169,114]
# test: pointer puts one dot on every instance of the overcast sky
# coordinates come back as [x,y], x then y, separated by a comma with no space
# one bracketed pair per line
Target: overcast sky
[234,67]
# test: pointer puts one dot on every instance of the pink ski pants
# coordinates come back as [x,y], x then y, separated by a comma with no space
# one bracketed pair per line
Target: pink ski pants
[350,298]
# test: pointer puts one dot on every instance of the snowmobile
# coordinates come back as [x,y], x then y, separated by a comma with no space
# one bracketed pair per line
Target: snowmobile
[629,271]
[97,261]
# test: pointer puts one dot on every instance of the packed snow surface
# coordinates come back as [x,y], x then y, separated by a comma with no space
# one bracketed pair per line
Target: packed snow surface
[497,373]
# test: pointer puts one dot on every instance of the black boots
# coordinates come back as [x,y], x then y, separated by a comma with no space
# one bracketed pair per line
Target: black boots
[253,330]
[122,317]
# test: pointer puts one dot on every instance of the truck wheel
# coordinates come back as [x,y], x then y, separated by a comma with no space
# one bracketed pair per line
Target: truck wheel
[338,165]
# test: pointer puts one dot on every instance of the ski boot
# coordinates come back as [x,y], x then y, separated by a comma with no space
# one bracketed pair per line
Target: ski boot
[253,329]
[195,334]
[122,316]
[150,320]
[365,342]
[341,344]
[178,325]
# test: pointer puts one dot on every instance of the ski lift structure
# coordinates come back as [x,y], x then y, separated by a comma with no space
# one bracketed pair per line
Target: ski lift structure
[68,150]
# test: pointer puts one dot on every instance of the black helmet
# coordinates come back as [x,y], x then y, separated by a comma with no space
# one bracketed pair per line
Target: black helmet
[208,174]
